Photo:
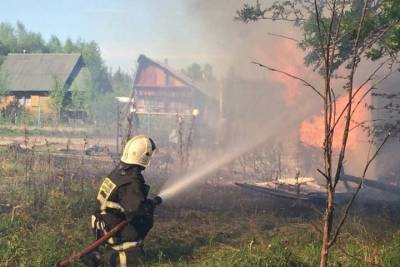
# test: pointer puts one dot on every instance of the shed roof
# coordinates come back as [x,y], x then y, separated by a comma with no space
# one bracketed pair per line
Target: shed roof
[36,72]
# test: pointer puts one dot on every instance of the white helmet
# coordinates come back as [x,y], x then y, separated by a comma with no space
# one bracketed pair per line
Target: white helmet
[138,150]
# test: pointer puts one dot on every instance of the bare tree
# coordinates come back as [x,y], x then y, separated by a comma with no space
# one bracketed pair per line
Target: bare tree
[185,138]
[337,34]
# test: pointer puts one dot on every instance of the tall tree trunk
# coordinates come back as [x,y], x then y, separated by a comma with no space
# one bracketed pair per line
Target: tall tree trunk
[328,220]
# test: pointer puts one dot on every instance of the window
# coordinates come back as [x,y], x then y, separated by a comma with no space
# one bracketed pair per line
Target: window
[21,100]
[24,100]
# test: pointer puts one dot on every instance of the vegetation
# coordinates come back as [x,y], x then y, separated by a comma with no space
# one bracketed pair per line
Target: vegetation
[200,73]
[57,96]
[337,36]
[379,40]
[82,92]
[19,40]
[46,202]
[3,83]
[94,86]
[46,199]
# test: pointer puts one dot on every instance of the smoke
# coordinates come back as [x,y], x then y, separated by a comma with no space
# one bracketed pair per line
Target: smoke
[284,122]
[260,105]
[231,43]
[235,44]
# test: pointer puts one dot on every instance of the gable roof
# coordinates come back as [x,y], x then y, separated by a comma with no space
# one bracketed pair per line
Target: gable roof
[36,72]
[209,89]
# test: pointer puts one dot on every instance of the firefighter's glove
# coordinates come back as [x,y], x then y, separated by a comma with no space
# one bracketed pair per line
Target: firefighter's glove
[92,259]
[149,206]
[157,200]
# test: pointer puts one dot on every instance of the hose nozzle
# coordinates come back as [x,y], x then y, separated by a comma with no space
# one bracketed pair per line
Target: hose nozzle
[157,200]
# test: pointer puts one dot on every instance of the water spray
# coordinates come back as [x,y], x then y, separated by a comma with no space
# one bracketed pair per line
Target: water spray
[228,156]
[197,174]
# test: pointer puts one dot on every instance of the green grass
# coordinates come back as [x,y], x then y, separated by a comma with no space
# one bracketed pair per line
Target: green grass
[209,226]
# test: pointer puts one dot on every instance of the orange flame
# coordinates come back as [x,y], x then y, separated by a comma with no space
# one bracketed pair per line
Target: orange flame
[283,55]
[312,131]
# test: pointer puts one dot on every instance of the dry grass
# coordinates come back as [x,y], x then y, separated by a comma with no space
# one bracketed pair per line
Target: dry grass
[50,200]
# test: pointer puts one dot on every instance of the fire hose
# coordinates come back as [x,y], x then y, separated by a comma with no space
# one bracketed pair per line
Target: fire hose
[76,256]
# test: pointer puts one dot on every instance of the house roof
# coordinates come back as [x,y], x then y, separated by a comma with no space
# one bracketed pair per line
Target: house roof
[210,89]
[36,72]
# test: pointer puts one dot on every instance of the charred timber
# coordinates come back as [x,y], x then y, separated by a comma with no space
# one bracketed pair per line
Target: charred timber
[372,183]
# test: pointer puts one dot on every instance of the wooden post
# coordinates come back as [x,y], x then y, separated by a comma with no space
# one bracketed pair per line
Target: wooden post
[117,139]
[39,111]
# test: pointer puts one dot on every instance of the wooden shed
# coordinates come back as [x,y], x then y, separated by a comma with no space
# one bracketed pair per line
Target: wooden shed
[30,77]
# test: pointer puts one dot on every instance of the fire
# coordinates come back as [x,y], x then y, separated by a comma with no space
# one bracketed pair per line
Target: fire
[312,131]
[284,55]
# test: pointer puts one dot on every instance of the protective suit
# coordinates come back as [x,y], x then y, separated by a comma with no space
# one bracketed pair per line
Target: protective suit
[123,196]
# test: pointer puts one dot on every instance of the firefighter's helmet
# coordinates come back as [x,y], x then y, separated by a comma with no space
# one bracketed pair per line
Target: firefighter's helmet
[138,150]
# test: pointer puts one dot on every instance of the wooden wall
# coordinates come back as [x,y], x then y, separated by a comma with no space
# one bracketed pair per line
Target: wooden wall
[36,102]
[6,100]
[154,76]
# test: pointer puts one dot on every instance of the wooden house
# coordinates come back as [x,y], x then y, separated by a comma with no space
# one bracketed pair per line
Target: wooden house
[30,77]
[158,89]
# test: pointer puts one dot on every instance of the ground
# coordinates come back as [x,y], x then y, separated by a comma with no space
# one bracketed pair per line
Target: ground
[46,201]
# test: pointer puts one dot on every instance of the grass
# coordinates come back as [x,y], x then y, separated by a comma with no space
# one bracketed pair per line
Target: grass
[46,132]
[208,226]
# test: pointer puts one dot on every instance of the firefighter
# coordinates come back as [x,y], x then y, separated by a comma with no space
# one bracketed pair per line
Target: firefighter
[123,196]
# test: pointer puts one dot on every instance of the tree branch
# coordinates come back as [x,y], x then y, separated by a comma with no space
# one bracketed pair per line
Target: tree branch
[335,39]
[350,94]
[321,40]
[368,91]
[379,36]
[284,37]
[289,75]
[346,212]
[282,19]
[359,124]
[370,78]
[324,174]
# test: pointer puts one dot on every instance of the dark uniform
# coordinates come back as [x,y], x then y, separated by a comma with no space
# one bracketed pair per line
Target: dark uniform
[123,196]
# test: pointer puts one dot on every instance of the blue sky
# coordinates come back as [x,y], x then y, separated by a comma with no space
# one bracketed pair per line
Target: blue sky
[124,29]
[184,31]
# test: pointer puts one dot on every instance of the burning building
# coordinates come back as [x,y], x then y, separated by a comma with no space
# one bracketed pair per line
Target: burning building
[159,89]
[161,93]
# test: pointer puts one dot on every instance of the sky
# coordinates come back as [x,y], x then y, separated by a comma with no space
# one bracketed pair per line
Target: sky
[124,29]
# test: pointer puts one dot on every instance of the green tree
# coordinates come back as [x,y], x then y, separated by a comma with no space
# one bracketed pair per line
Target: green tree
[379,36]
[93,60]
[69,46]
[208,72]
[58,94]
[18,40]
[195,72]
[29,42]
[54,45]
[82,92]
[8,39]
[92,57]
[338,34]
[199,73]
[121,83]
[3,83]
